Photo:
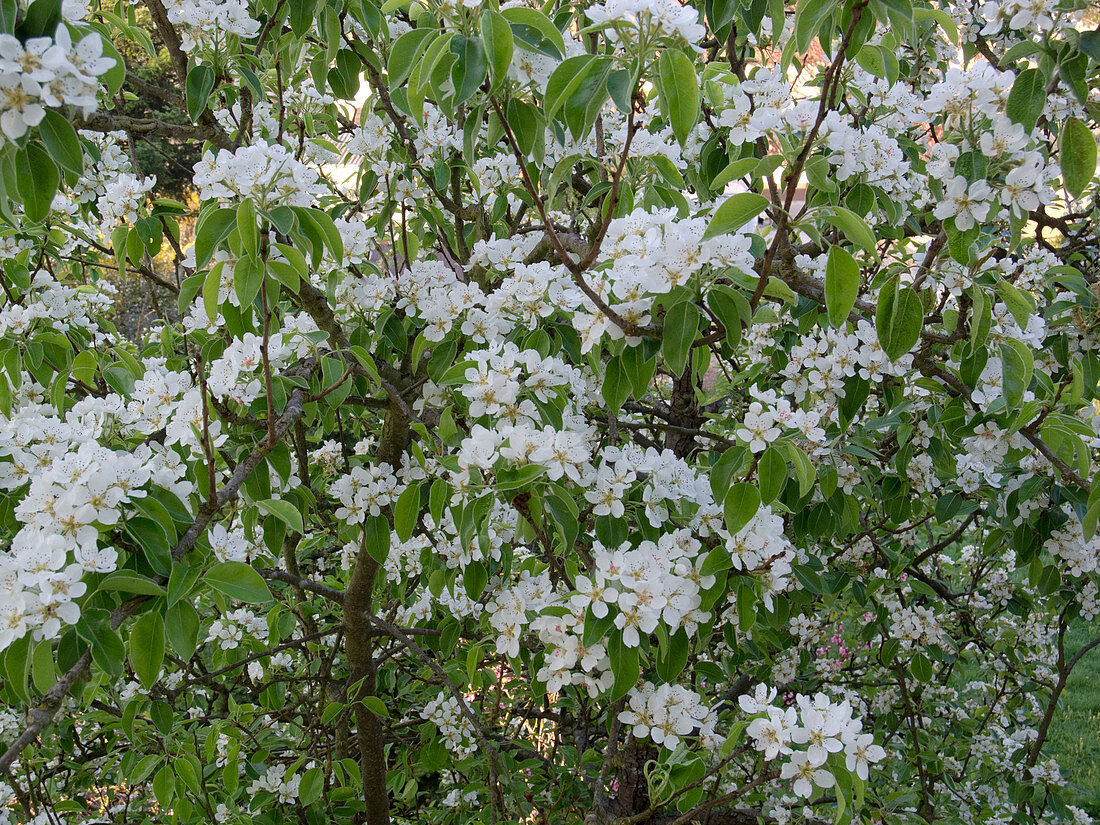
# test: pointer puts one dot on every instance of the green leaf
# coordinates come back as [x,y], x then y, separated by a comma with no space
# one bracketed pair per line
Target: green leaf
[565,80]
[182,581]
[1077,156]
[313,781]
[187,770]
[211,291]
[639,368]
[164,786]
[468,71]
[43,670]
[200,83]
[248,277]
[496,35]
[855,229]
[624,665]
[107,649]
[376,706]
[248,227]
[212,227]
[37,181]
[527,21]
[898,319]
[1017,301]
[286,274]
[1027,98]
[674,656]
[147,648]
[17,666]
[808,19]
[517,478]
[841,285]
[680,327]
[285,512]
[377,537]
[323,223]
[127,582]
[921,668]
[1090,44]
[742,502]
[734,213]
[343,78]
[61,142]
[771,474]
[238,581]
[582,106]
[41,19]
[182,629]
[732,309]
[872,60]
[616,384]
[804,471]
[151,538]
[404,53]
[717,560]
[406,511]
[679,86]
[84,367]
[734,170]
[1088,524]
[1017,365]
[474,579]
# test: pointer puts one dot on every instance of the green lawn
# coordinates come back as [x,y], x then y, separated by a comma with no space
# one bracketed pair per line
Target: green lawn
[1075,732]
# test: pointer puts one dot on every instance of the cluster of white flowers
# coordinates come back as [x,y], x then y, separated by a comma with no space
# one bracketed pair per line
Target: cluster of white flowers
[982,454]
[446,714]
[113,161]
[275,781]
[236,627]
[436,294]
[1029,16]
[638,586]
[358,240]
[234,375]
[667,713]
[768,416]
[455,798]
[267,173]
[665,17]
[74,486]
[1068,543]
[912,624]
[231,544]
[365,491]
[121,198]
[760,542]
[651,253]
[208,22]
[6,794]
[825,357]
[54,304]
[1090,603]
[820,726]
[873,155]
[507,383]
[48,72]
[1018,175]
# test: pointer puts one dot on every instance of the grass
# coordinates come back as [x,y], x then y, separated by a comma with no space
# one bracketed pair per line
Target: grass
[1075,731]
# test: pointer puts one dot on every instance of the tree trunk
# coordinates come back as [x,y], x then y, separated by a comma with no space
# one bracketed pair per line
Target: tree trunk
[362,681]
[359,645]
